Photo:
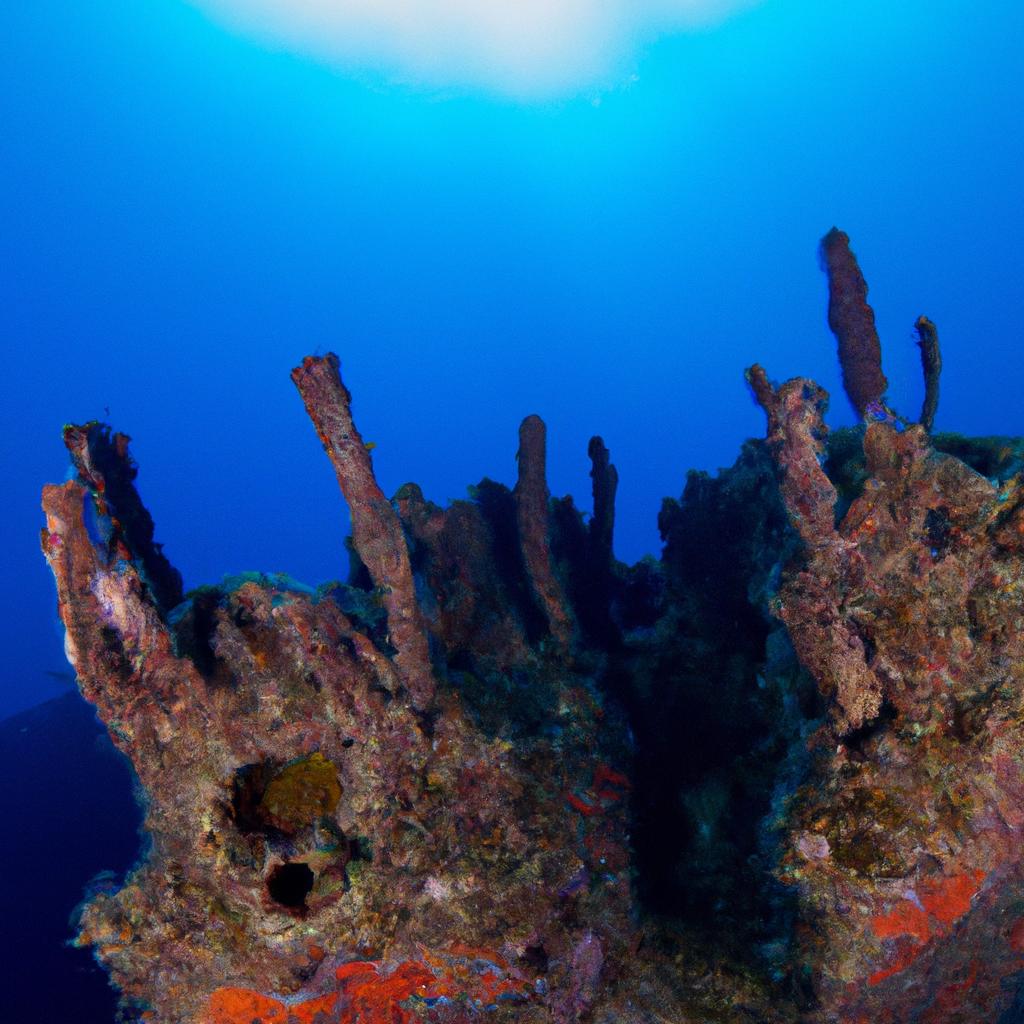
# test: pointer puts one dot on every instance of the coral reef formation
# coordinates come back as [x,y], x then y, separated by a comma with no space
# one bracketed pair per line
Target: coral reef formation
[904,603]
[903,839]
[328,831]
[773,776]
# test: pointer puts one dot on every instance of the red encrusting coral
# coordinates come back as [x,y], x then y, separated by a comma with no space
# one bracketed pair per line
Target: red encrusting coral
[368,992]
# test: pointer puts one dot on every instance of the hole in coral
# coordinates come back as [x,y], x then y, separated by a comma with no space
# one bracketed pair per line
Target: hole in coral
[857,740]
[271,798]
[536,959]
[290,884]
[938,528]
[247,788]
[498,508]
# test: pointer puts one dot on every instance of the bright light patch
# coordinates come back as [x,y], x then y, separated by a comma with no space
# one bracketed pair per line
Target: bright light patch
[523,48]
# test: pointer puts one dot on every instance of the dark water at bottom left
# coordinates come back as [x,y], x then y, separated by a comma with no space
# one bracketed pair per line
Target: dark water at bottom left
[68,813]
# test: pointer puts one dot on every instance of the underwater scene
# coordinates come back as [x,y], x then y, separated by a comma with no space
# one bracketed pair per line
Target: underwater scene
[500,561]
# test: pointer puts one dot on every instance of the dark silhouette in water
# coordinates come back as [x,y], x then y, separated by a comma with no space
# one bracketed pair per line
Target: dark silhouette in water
[68,811]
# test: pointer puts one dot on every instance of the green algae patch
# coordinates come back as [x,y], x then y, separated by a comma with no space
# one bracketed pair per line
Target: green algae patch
[300,793]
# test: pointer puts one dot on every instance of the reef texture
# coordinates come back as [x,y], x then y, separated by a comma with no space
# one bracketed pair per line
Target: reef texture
[773,776]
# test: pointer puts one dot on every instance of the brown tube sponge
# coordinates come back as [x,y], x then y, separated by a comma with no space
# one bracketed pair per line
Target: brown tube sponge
[931,367]
[853,323]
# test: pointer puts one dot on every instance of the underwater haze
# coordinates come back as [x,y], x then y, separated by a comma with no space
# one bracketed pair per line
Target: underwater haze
[193,199]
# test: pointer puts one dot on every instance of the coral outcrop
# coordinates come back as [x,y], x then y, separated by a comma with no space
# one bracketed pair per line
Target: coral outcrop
[773,777]
[336,825]
[903,840]
[904,603]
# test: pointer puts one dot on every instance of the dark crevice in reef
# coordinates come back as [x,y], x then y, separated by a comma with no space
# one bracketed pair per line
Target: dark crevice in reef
[713,737]
[859,740]
[846,466]
[358,575]
[193,625]
[498,509]
[686,658]
[591,585]
[997,458]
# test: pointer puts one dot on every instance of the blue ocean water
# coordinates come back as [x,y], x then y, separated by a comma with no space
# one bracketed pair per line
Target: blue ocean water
[187,210]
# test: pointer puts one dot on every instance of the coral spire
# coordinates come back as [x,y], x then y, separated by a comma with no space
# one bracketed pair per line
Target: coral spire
[853,322]
[605,483]
[931,366]
[531,494]
[376,529]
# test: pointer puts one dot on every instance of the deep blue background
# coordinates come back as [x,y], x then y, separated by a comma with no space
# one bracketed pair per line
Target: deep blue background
[67,796]
[185,213]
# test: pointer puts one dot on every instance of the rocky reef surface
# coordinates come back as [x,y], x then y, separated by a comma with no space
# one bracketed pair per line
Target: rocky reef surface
[497,775]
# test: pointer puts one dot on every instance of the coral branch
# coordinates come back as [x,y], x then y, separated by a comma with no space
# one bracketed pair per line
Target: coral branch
[116,638]
[105,465]
[796,437]
[931,366]
[810,602]
[531,493]
[376,528]
[853,322]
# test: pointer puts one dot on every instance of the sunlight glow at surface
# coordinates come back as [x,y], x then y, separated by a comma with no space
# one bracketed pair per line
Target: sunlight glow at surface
[522,48]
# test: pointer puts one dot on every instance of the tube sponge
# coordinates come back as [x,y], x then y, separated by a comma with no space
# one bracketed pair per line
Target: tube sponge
[853,323]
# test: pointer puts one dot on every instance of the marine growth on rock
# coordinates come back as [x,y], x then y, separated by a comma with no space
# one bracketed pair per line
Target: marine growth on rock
[774,776]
